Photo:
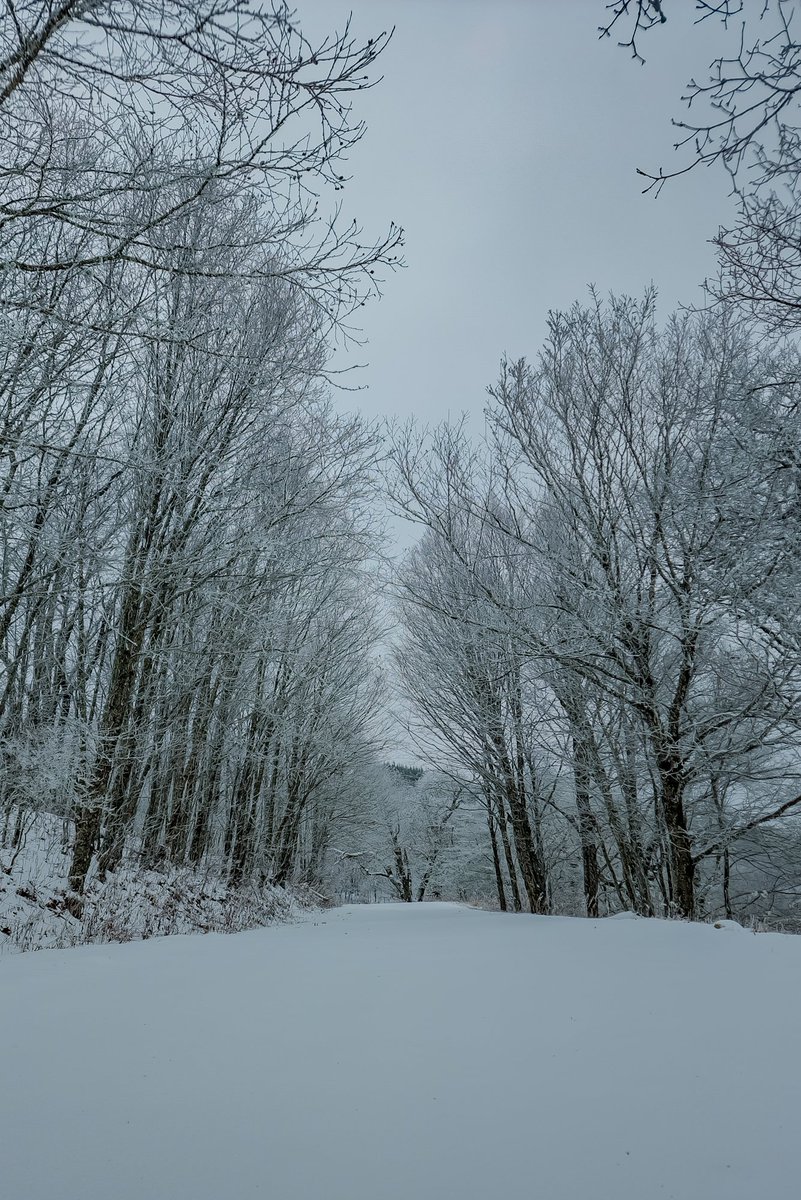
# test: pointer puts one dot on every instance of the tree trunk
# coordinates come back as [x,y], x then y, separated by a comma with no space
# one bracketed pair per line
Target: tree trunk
[496,862]
[587,827]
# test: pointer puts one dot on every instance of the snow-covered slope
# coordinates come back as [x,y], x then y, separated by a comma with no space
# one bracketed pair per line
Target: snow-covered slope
[406,1053]
[132,903]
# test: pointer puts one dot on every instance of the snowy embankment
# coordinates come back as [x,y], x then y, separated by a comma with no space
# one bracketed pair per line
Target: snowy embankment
[423,1052]
[131,904]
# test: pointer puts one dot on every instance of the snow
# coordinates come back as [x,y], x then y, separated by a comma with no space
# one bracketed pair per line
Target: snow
[397,1052]
[132,903]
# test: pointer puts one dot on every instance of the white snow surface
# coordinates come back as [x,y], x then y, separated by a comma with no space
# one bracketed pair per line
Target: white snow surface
[406,1052]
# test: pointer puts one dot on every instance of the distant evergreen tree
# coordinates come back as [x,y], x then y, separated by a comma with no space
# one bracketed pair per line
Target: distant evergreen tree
[411,775]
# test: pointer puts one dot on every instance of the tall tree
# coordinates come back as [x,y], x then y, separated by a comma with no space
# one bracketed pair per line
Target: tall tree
[625,479]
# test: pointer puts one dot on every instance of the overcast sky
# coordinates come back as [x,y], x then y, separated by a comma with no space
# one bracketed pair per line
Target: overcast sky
[504,139]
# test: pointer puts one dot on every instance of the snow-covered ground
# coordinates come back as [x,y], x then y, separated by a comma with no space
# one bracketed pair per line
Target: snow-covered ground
[393,1052]
[132,903]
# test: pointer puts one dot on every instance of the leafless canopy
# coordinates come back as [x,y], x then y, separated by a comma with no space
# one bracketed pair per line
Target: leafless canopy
[745,116]
[115,119]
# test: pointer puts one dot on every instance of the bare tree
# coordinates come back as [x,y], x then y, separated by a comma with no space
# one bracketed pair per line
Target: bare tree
[637,491]
[744,116]
[186,524]
[117,121]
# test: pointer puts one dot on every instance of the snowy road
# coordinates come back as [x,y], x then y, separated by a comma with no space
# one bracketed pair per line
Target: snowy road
[406,1053]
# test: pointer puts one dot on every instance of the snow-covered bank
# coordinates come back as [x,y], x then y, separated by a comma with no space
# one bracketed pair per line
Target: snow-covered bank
[396,1052]
[131,905]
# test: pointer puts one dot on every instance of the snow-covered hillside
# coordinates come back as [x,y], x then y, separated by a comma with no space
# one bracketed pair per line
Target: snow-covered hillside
[400,1052]
[132,903]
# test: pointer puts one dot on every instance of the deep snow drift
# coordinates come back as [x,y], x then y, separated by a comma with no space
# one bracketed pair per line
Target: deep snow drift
[406,1053]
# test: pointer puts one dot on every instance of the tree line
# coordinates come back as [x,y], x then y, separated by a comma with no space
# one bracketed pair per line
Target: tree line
[187,621]
[601,620]
[599,630]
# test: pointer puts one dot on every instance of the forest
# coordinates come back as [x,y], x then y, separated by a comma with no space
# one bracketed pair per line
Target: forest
[595,638]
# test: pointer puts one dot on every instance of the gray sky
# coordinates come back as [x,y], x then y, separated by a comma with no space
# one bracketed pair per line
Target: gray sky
[504,139]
